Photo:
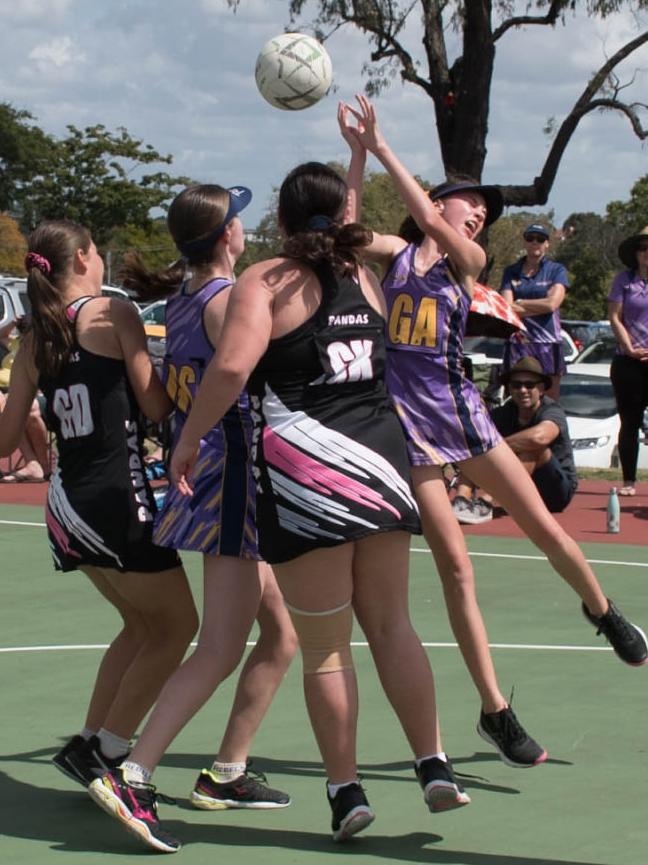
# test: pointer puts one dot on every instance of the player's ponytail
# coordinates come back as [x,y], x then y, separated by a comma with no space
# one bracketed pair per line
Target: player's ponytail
[52,247]
[194,218]
[311,201]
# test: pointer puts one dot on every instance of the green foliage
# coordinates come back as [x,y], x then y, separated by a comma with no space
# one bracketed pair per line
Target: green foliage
[630,216]
[152,241]
[92,179]
[13,247]
[382,207]
[24,153]
[93,176]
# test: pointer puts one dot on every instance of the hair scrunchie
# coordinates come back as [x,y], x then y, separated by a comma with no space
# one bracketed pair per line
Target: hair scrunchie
[319,222]
[33,259]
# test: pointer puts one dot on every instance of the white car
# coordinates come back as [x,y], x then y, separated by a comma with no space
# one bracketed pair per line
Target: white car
[587,398]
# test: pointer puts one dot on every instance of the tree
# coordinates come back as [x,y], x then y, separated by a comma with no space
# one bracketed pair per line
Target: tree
[93,176]
[24,151]
[630,216]
[13,247]
[153,242]
[460,92]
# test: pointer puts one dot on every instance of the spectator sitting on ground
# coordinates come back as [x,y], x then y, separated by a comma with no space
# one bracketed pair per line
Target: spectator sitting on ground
[535,427]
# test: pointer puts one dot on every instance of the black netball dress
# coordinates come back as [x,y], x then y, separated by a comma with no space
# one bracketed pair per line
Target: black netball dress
[330,457]
[100,507]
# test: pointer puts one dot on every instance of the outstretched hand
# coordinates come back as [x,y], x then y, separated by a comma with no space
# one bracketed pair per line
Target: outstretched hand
[366,132]
[183,460]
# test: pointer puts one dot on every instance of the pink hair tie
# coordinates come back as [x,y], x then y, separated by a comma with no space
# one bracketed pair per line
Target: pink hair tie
[33,259]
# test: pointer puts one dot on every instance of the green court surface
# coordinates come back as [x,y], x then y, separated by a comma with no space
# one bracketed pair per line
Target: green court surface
[586,805]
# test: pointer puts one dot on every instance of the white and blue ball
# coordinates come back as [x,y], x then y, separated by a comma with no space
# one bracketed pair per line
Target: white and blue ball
[293,71]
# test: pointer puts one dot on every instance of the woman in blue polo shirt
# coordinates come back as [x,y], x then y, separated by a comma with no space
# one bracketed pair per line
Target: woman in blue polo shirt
[536,286]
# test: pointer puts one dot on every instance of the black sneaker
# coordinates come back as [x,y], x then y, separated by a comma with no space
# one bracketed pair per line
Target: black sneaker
[249,790]
[516,748]
[84,760]
[60,759]
[628,641]
[135,806]
[440,787]
[351,811]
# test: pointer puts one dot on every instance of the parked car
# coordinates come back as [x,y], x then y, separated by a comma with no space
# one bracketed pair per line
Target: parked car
[153,317]
[600,352]
[489,350]
[584,333]
[14,301]
[587,398]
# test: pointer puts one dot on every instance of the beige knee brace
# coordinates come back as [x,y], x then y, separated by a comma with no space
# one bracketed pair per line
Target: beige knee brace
[324,638]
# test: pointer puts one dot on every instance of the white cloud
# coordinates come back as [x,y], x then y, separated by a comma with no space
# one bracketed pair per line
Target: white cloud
[23,11]
[180,76]
[58,52]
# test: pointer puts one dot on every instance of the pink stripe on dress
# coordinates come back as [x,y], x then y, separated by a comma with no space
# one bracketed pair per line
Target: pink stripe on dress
[306,471]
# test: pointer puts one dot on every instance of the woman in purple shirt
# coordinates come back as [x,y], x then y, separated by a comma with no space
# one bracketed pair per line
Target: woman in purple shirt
[628,314]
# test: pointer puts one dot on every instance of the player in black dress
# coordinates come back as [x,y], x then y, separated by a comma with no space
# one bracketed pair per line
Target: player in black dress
[88,355]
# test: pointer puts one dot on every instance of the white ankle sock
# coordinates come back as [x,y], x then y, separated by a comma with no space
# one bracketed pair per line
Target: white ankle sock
[87,733]
[333,788]
[227,771]
[112,746]
[440,756]
[135,774]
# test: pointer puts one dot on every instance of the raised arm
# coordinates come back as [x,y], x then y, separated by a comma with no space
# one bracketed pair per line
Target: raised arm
[466,255]
[383,247]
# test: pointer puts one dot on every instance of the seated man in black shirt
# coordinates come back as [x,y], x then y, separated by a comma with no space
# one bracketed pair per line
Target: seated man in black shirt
[535,427]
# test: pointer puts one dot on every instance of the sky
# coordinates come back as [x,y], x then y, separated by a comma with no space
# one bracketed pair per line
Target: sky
[179,74]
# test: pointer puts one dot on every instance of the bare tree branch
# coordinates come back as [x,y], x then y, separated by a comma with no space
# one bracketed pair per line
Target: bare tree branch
[538,192]
[556,8]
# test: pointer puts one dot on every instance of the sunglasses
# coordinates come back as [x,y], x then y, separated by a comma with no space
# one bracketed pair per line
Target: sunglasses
[643,247]
[535,238]
[517,383]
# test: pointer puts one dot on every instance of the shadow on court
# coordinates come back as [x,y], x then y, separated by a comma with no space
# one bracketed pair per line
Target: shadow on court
[69,822]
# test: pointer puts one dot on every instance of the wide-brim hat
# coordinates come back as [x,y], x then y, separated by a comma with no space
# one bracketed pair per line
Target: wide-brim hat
[527,364]
[491,195]
[628,248]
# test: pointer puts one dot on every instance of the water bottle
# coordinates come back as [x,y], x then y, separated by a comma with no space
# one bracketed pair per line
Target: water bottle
[613,512]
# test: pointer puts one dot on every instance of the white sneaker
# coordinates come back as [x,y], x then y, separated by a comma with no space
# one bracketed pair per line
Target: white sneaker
[478,511]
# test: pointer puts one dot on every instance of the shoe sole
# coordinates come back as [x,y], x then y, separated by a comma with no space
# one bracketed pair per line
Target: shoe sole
[504,758]
[473,521]
[204,803]
[444,796]
[355,822]
[114,806]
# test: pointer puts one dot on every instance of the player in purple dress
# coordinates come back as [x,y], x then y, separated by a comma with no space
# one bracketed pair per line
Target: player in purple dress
[428,285]
[218,521]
